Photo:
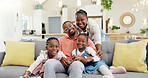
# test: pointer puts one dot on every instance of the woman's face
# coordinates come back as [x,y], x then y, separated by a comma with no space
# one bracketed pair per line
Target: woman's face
[81,20]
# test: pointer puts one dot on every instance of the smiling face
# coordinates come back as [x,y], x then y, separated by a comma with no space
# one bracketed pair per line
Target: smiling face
[81,42]
[53,48]
[69,28]
[81,21]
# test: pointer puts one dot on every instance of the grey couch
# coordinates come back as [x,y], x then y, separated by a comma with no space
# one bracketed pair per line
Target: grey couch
[107,48]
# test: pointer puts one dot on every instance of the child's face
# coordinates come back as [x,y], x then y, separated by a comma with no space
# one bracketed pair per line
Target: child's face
[81,42]
[81,20]
[53,48]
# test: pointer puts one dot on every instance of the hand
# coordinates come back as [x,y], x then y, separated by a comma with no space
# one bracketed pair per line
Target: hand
[26,74]
[65,62]
[76,58]
[41,74]
[99,54]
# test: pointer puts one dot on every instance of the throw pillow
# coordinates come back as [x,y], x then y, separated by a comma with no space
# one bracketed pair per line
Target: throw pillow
[131,56]
[19,53]
[136,40]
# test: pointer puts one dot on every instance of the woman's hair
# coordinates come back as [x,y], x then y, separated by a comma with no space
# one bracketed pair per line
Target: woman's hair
[81,12]
[85,34]
[51,38]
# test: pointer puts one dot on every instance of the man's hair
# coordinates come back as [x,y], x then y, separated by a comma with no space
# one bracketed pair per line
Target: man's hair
[51,38]
[65,23]
[81,12]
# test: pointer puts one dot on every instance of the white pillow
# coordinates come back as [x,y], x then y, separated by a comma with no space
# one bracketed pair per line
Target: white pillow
[2,46]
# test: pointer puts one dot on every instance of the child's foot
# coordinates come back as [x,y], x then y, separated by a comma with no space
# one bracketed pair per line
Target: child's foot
[117,70]
[107,77]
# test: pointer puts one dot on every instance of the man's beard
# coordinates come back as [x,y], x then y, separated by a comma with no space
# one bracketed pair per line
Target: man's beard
[72,34]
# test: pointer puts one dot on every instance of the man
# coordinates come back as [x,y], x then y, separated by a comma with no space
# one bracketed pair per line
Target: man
[67,45]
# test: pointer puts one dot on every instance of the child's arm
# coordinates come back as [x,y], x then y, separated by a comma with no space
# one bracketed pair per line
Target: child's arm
[92,52]
[60,55]
[35,64]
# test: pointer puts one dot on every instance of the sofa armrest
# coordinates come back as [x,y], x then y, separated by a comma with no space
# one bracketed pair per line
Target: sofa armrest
[2,54]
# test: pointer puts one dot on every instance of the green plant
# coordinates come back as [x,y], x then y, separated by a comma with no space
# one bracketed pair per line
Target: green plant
[106,4]
[114,27]
[143,31]
[63,6]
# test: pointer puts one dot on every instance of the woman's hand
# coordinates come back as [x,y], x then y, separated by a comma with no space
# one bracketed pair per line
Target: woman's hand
[99,54]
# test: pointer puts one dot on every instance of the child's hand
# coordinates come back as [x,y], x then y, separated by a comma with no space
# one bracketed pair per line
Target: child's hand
[76,58]
[26,74]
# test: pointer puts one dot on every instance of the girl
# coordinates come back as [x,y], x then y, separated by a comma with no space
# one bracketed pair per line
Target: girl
[84,24]
[88,56]
[52,47]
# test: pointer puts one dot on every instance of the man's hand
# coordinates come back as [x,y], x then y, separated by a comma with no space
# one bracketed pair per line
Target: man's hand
[65,62]
[99,54]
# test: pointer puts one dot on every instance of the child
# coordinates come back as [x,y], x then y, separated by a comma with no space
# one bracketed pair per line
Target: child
[88,56]
[52,47]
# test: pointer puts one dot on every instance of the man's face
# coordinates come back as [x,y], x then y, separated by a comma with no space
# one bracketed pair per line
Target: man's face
[69,28]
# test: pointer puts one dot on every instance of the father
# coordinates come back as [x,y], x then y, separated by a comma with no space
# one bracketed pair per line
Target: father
[67,45]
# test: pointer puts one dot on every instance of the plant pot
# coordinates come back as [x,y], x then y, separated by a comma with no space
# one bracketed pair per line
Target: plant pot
[143,35]
[114,31]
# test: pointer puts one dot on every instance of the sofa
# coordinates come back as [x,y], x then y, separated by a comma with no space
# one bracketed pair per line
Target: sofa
[107,49]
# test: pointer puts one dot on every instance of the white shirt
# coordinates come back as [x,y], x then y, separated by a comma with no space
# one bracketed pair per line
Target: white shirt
[41,57]
[94,31]
[90,51]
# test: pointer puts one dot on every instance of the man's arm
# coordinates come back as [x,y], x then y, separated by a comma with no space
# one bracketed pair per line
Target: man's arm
[65,62]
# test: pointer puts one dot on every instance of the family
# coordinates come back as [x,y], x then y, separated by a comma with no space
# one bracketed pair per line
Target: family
[74,53]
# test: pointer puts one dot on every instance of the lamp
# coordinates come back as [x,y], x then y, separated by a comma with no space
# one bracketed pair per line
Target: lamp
[40,1]
[78,2]
[140,5]
[60,3]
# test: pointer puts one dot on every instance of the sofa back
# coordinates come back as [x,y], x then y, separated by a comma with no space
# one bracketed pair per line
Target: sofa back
[108,50]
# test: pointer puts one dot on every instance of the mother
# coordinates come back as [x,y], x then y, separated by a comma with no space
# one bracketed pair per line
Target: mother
[84,24]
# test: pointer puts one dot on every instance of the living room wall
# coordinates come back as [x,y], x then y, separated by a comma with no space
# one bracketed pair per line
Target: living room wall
[122,6]
[10,29]
[118,8]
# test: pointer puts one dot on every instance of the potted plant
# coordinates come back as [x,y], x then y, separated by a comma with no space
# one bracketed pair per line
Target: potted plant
[106,4]
[63,6]
[114,28]
[143,32]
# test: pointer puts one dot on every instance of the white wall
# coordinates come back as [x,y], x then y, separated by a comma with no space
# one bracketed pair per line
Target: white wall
[9,8]
[122,6]
[118,8]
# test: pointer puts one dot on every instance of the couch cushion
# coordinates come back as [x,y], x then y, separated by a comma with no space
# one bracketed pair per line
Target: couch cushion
[39,45]
[1,57]
[19,53]
[108,50]
[12,71]
[136,40]
[131,56]
[132,75]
